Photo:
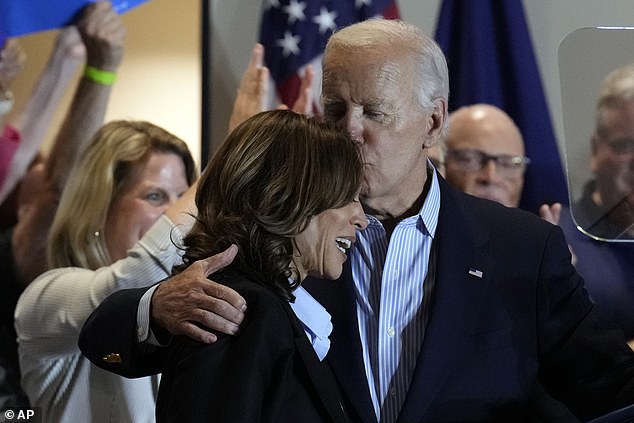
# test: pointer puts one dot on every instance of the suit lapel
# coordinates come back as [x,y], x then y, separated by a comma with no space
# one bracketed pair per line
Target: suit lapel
[461,279]
[345,355]
[458,293]
[319,373]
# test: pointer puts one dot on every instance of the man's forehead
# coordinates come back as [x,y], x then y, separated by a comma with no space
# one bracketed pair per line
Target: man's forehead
[366,82]
[381,63]
[617,122]
[385,102]
[488,139]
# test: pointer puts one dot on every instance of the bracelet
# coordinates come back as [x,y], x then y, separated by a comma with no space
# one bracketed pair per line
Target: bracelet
[6,102]
[99,76]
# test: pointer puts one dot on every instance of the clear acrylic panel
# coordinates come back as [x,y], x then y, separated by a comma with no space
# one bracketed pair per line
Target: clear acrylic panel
[599,163]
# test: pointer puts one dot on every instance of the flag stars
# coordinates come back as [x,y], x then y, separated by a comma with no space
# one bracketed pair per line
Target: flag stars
[273,4]
[325,20]
[289,44]
[295,11]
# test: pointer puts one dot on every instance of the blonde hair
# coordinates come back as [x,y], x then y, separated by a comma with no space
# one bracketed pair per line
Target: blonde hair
[77,237]
[617,88]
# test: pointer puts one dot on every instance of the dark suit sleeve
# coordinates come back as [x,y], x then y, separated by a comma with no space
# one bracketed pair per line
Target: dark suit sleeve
[236,379]
[585,359]
[109,337]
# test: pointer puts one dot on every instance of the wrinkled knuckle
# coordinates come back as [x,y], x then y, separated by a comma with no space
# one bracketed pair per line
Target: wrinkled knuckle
[219,292]
[203,316]
[191,297]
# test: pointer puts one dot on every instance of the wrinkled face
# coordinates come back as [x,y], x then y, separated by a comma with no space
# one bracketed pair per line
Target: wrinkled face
[320,249]
[612,159]
[491,181]
[151,187]
[372,95]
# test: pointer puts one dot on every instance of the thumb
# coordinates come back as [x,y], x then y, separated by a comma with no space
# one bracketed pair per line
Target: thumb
[219,261]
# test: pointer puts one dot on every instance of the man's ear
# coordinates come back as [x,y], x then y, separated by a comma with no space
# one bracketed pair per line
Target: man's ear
[436,122]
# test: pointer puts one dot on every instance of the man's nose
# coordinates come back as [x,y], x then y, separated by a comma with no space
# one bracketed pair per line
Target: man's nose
[489,170]
[354,127]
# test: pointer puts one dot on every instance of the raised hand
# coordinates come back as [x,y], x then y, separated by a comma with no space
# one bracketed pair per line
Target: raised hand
[304,103]
[103,33]
[12,59]
[252,94]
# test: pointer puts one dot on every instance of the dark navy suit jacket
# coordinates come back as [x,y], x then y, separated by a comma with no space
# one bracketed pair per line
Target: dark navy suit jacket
[521,343]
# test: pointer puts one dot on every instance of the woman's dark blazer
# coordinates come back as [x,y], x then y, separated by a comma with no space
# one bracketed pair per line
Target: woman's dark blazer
[267,373]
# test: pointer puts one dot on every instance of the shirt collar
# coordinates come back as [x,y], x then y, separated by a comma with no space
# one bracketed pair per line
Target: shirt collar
[315,320]
[431,206]
[428,213]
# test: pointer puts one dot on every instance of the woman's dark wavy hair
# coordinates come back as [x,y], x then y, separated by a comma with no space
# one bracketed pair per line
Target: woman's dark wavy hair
[271,175]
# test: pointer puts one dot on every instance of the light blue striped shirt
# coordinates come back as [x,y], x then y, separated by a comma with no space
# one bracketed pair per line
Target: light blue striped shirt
[388,276]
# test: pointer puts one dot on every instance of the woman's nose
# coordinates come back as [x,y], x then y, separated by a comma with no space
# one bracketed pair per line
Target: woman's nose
[359,219]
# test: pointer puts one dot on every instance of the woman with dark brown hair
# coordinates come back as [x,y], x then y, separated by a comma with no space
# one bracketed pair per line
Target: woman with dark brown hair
[284,189]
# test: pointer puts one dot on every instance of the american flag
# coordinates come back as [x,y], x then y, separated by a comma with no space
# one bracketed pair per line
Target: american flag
[294,34]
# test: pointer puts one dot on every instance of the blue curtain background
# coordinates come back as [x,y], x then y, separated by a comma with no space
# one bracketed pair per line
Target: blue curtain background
[491,60]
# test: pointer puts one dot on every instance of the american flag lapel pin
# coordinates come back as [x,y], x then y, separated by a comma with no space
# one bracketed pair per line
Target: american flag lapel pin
[475,272]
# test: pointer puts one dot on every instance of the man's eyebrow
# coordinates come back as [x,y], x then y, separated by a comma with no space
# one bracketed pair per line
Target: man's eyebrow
[374,103]
[623,139]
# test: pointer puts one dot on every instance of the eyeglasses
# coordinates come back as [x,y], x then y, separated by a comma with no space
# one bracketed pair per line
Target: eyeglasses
[472,160]
[622,147]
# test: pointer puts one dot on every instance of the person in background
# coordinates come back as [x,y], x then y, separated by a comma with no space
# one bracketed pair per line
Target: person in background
[102,35]
[284,189]
[252,95]
[117,219]
[98,36]
[486,158]
[26,128]
[605,208]
[485,154]
[12,59]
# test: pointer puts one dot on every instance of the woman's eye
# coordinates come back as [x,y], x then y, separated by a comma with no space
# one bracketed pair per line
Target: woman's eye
[154,197]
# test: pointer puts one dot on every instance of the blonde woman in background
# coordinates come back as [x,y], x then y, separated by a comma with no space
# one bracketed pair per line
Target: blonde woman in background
[118,225]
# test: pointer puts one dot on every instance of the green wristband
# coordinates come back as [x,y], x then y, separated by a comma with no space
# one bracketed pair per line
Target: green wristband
[99,76]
